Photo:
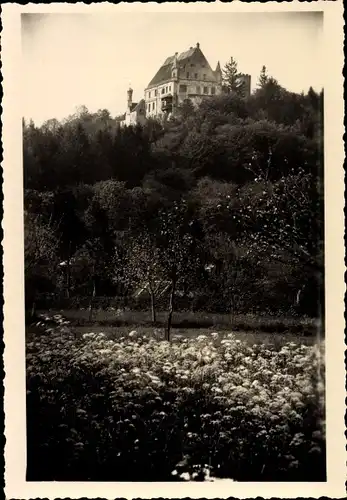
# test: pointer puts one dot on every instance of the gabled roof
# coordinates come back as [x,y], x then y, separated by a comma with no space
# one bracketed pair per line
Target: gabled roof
[164,72]
[137,105]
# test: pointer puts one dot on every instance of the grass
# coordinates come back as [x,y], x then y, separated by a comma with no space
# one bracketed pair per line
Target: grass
[248,328]
[188,320]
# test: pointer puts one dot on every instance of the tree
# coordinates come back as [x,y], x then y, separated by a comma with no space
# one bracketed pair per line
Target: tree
[177,242]
[144,267]
[234,271]
[263,77]
[40,252]
[230,76]
[285,220]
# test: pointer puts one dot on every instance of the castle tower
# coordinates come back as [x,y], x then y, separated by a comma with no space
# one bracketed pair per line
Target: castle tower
[218,73]
[130,97]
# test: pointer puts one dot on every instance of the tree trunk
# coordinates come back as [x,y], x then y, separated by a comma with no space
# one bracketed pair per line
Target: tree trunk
[232,312]
[153,311]
[68,273]
[171,308]
[234,307]
[91,303]
[33,309]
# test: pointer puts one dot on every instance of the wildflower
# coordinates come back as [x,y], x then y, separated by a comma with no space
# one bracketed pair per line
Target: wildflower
[185,476]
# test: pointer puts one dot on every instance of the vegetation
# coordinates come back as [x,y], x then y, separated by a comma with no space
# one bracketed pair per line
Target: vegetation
[141,410]
[223,205]
[211,219]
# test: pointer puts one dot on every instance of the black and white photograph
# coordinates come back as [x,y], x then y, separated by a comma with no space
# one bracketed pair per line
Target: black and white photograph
[174,223]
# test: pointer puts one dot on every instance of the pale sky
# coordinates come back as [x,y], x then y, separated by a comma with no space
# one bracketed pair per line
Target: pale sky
[89,59]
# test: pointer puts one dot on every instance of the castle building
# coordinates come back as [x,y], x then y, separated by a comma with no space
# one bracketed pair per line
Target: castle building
[135,113]
[182,76]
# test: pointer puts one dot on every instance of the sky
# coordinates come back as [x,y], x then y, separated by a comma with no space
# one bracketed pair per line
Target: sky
[90,59]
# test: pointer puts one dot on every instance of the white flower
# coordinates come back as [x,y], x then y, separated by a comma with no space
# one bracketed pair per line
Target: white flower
[185,476]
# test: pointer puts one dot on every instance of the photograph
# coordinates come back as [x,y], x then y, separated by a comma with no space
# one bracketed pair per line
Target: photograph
[174,245]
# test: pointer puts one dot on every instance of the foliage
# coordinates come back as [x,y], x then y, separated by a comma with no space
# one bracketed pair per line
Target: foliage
[138,409]
[245,171]
[230,77]
[263,77]
[40,250]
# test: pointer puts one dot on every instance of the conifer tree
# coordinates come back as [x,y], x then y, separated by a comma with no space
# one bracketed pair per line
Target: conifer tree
[230,76]
[263,77]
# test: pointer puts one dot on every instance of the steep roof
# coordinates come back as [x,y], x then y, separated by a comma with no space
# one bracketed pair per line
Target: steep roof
[164,72]
[137,105]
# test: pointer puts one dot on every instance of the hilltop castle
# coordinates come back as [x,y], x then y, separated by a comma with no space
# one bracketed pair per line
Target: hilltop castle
[182,76]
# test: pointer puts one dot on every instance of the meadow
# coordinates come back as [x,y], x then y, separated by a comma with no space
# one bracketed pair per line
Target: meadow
[132,407]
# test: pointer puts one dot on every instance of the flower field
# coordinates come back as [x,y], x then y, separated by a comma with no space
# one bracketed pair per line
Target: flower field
[139,409]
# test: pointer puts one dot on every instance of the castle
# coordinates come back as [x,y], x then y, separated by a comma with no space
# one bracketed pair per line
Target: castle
[182,76]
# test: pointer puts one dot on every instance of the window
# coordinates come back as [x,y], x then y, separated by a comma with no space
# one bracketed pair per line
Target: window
[187,74]
[213,90]
[196,75]
[153,105]
[192,65]
[183,88]
[163,90]
[198,90]
[155,92]
[204,76]
[166,90]
[149,95]
[205,90]
[170,88]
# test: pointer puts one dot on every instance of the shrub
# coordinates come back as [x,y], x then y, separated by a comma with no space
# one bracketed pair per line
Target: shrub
[136,409]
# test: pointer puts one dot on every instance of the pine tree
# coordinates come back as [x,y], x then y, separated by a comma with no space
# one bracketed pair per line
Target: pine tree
[230,76]
[263,77]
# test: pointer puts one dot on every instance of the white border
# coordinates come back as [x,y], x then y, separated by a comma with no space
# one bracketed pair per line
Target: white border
[14,358]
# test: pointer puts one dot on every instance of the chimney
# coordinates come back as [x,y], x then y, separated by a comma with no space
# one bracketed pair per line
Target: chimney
[198,45]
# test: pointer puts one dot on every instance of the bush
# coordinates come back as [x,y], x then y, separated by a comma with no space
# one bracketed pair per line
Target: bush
[136,409]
